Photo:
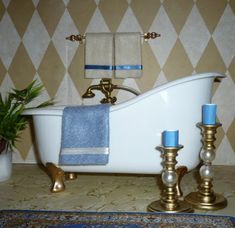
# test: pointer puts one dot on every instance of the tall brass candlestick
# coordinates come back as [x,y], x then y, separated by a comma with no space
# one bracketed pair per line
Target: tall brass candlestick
[169,201]
[205,198]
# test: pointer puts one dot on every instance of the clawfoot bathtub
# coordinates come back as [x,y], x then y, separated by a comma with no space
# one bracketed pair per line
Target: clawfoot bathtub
[135,129]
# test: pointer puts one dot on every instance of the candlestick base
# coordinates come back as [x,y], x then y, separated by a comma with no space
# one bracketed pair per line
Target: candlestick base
[198,201]
[159,206]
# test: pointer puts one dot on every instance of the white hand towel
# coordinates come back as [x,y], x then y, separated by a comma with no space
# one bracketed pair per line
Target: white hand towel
[99,55]
[128,55]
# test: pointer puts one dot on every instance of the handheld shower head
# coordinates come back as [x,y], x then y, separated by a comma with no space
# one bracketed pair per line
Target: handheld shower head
[88,94]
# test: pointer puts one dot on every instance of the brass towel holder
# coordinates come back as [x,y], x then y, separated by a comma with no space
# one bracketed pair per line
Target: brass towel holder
[106,86]
[80,38]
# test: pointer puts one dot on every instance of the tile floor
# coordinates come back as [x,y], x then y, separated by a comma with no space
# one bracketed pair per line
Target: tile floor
[29,188]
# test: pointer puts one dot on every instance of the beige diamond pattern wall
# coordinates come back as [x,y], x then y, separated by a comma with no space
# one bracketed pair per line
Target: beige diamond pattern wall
[196,36]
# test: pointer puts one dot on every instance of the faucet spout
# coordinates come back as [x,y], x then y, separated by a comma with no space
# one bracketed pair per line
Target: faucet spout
[106,87]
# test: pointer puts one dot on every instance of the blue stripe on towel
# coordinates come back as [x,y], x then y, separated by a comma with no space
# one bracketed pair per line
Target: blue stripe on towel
[128,67]
[85,135]
[98,67]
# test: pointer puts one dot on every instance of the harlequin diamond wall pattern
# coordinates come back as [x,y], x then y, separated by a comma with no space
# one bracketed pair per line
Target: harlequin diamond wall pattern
[196,36]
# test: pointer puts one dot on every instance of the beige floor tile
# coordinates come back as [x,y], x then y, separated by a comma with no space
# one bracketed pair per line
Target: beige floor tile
[29,188]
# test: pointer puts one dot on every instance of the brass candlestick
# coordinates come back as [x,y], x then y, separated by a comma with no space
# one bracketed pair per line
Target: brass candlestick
[169,201]
[205,198]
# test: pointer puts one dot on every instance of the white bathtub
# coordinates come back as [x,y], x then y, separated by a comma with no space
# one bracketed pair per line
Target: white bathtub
[136,127]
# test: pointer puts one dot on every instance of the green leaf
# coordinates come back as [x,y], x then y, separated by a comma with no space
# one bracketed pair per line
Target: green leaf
[12,123]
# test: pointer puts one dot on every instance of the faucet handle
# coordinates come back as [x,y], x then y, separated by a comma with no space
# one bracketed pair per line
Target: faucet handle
[108,100]
[106,81]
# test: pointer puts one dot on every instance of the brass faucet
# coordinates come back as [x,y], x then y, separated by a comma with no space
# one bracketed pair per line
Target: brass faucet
[106,87]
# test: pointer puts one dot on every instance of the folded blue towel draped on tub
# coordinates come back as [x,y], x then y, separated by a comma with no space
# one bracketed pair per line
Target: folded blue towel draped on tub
[85,135]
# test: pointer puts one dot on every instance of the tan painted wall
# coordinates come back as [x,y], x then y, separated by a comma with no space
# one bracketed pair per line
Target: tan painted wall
[197,36]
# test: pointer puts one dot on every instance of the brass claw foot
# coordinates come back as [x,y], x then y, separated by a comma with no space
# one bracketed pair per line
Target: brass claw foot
[57,176]
[181,171]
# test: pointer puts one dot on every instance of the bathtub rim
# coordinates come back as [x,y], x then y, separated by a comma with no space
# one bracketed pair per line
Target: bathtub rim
[58,110]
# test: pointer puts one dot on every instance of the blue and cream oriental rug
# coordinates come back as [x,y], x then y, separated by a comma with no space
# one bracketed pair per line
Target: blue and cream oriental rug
[27,218]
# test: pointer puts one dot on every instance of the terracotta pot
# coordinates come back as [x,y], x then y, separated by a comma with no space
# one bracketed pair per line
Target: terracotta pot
[5,161]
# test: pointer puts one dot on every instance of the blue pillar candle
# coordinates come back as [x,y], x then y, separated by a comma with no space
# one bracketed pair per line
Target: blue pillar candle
[209,114]
[170,138]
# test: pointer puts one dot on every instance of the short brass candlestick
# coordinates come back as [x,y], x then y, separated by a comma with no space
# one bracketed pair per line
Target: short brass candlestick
[205,198]
[169,201]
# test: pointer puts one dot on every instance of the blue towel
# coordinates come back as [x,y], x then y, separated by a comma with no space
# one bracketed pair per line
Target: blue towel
[85,135]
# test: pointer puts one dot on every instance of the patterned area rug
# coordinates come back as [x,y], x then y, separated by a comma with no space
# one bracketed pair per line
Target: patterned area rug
[24,218]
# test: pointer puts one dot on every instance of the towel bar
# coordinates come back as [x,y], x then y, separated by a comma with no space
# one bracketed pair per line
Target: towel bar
[80,38]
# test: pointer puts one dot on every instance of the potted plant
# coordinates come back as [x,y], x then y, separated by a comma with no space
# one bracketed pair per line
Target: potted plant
[12,122]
